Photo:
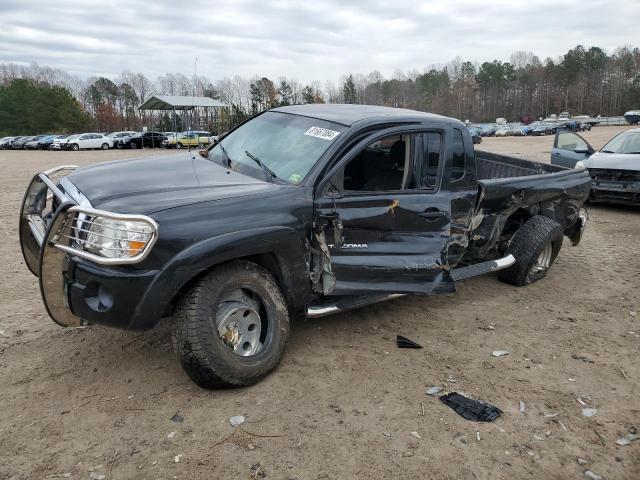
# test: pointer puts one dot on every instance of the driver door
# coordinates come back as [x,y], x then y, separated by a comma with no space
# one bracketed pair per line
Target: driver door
[569,148]
[385,230]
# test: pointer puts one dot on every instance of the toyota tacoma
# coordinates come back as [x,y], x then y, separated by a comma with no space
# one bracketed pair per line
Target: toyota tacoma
[301,210]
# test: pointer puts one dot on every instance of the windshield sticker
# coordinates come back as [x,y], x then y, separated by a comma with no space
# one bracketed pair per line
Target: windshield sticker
[323,133]
[295,178]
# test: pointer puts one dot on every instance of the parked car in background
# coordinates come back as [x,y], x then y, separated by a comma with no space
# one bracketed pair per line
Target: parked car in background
[543,128]
[504,131]
[115,136]
[614,169]
[33,143]
[20,142]
[8,143]
[521,130]
[45,143]
[487,130]
[191,139]
[61,143]
[88,141]
[141,140]
[584,126]
[632,116]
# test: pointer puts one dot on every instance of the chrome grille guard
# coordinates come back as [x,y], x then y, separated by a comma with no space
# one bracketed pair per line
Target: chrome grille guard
[45,201]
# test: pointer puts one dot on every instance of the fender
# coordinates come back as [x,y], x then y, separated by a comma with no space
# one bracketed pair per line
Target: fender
[201,256]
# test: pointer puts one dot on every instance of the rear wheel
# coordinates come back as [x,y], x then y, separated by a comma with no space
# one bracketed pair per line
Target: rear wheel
[178,145]
[231,326]
[134,145]
[535,246]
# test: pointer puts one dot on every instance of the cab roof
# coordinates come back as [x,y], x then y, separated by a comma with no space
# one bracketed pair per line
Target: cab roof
[349,115]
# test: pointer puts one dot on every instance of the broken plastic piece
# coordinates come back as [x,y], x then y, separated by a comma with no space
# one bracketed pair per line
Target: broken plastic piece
[404,342]
[499,353]
[627,439]
[475,410]
[433,390]
[237,420]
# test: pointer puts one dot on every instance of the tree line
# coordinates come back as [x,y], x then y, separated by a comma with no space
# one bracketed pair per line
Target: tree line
[584,80]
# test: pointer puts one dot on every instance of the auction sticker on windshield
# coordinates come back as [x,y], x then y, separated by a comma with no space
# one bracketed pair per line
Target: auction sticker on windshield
[323,133]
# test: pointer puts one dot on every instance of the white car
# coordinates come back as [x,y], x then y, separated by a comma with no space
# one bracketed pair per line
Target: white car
[88,141]
[61,143]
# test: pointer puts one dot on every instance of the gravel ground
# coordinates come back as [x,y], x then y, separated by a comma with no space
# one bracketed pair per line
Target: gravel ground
[345,401]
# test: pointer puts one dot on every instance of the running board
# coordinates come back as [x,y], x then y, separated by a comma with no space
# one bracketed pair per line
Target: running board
[482,268]
[348,303]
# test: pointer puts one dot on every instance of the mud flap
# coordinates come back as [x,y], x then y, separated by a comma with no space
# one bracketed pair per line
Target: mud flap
[577,230]
[52,270]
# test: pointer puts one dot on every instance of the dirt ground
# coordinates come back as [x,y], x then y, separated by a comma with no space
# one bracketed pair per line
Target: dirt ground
[86,402]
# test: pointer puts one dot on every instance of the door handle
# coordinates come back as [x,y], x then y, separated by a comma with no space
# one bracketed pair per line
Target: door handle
[556,154]
[433,214]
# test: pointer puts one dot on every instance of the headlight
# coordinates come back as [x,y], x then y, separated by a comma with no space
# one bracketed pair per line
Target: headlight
[579,165]
[113,238]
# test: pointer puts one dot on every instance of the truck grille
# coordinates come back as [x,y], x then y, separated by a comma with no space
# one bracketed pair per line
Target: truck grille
[610,175]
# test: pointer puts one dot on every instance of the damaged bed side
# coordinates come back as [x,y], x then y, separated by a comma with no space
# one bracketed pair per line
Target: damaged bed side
[512,190]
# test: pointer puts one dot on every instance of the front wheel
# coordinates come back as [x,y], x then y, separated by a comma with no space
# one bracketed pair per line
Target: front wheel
[535,246]
[75,147]
[178,146]
[134,145]
[105,146]
[231,326]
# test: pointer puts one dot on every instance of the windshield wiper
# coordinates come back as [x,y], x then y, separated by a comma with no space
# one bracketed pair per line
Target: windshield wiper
[261,163]
[607,151]
[224,152]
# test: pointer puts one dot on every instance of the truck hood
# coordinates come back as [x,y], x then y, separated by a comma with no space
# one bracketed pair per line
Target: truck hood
[150,184]
[616,161]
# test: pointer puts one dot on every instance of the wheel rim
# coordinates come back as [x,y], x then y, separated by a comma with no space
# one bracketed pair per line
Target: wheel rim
[543,262]
[240,326]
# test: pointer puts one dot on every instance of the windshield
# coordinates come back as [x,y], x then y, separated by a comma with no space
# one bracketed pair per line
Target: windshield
[623,143]
[289,145]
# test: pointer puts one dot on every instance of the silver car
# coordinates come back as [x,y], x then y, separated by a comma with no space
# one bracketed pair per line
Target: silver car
[615,169]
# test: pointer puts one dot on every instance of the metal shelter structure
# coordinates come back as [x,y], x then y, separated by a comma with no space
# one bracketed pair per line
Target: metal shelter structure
[183,103]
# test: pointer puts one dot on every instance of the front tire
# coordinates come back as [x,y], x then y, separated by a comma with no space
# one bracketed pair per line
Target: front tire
[105,146]
[535,246]
[231,326]
[75,147]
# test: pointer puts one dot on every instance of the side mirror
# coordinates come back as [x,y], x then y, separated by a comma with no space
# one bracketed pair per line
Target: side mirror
[586,151]
[203,153]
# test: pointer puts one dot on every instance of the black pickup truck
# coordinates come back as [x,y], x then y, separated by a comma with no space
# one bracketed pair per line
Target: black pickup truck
[310,209]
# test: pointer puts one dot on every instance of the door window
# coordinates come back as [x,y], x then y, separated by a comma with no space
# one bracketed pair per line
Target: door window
[571,141]
[430,161]
[381,166]
[458,158]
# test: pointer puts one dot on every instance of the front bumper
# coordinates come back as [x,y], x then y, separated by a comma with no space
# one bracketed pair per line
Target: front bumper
[78,288]
[622,192]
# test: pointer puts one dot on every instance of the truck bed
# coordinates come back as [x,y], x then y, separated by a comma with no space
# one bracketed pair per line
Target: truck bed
[493,166]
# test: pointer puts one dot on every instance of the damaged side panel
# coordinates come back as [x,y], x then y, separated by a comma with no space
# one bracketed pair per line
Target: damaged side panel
[383,243]
[558,196]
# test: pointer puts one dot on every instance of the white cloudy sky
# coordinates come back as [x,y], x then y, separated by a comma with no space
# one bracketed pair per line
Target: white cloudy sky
[307,40]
